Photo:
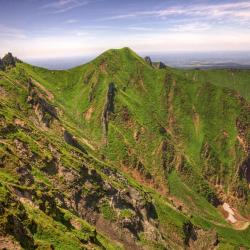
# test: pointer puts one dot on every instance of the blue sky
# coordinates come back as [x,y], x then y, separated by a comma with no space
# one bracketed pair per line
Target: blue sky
[61,28]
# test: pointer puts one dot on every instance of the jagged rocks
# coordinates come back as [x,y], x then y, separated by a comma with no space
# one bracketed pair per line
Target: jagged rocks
[8,61]
[148,60]
[109,108]
[45,112]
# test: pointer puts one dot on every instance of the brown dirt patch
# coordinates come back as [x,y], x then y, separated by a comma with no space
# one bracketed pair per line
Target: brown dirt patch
[88,113]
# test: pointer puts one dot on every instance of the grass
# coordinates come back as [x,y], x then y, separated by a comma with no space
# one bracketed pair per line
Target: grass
[196,116]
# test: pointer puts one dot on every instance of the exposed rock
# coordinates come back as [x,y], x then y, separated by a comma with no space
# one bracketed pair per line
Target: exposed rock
[108,109]
[72,141]
[159,65]
[22,149]
[9,61]
[148,60]
[245,170]
[26,178]
[189,232]
[16,225]
[206,240]
[19,231]
[7,129]
[51,166]
[44,111]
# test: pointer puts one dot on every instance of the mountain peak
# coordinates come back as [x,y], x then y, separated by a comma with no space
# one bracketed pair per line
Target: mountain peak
[119,57]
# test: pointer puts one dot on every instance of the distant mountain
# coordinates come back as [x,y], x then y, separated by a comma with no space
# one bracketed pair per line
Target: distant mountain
[124,153]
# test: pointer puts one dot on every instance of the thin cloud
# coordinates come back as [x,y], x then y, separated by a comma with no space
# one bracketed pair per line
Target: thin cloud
[191,27]
[71,21]
[9,32]
[61,6]
[135,28]
[238,10]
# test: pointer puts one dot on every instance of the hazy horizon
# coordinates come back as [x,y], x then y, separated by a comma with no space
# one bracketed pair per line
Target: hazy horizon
[172,58]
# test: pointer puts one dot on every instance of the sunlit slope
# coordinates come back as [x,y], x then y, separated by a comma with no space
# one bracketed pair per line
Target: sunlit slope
[183,133]
[235,79]
[151,108]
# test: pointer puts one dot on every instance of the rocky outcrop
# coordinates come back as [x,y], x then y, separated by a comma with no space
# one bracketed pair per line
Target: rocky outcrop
[189,232]
[199,239]
[148,60]
[245,170]
[86,191]
[8,61]
[45,112]
[108,109]
[159,65]
[16,223]
[72,141]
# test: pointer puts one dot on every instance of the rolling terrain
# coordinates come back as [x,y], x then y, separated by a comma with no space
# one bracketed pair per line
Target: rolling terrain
[123,153]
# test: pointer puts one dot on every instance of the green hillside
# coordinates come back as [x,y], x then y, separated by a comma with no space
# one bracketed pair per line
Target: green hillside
[119,154]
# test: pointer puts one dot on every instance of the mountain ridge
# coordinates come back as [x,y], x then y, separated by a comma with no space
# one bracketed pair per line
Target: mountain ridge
[125,132]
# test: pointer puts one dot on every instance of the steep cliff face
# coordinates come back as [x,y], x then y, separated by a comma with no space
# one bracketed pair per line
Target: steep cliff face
[176,150]
[109,108]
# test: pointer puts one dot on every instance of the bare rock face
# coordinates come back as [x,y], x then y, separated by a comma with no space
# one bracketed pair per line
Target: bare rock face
[148,60]
[159,65]
[108,108]
[9,61]
[245,170]
[45,112]
[199,239]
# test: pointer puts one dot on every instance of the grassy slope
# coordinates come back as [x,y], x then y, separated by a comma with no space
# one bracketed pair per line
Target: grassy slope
[198,113]
[236,79]
[202,112]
